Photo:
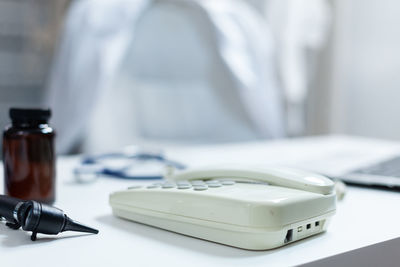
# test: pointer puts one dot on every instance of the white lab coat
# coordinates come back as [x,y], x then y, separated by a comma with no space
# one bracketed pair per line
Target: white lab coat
[115,82]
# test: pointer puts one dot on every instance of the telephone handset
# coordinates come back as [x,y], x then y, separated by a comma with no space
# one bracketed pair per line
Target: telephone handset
[281,176]
[248,207]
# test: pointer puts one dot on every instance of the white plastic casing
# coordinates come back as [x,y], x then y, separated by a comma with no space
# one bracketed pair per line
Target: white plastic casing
[253,216]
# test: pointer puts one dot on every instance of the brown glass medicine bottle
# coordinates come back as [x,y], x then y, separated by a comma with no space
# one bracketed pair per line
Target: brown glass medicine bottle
[28,156]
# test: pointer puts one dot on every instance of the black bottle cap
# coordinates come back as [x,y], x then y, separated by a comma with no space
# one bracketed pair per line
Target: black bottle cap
[29,114]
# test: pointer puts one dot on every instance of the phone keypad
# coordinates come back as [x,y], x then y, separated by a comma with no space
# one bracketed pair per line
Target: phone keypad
[214,185]
[184,186]
[168,185]
[197,185]
[228,182]
[197,182]
[200,187]
[152,186]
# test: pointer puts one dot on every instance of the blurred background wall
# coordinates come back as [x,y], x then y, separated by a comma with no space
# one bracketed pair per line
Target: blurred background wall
[355,89]
[28,35]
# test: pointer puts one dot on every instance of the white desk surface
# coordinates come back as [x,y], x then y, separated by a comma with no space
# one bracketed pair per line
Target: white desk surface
[365,217]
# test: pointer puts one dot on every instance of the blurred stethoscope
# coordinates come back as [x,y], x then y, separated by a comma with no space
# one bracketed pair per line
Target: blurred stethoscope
[136,164]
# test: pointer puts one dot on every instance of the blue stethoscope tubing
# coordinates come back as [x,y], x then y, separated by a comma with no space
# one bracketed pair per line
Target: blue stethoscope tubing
[121,172]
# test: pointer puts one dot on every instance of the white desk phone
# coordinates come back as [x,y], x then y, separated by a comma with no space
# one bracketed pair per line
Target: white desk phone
[247,207]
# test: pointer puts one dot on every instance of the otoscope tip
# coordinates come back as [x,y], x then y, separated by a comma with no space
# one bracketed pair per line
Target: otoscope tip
[72,225]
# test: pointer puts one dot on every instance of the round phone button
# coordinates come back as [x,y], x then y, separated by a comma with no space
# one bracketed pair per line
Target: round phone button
[228,182]
[200,187]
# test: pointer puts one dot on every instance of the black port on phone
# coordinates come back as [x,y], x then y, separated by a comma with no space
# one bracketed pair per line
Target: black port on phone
[289,236]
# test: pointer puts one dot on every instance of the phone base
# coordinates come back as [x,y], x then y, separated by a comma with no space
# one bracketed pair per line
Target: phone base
[232,235]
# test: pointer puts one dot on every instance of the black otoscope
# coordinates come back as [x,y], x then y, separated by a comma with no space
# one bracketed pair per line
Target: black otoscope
[38,218]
